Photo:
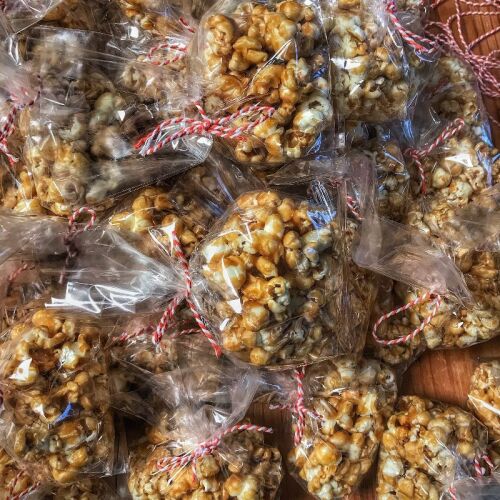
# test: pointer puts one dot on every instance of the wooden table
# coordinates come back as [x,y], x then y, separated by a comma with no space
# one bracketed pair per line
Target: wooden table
[441,375]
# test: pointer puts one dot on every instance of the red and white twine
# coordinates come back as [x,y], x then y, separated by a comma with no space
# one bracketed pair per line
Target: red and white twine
[167,464]
[23,493]
[419,154]
[73,232]
[171,308]
[485,67]
[410,336]
[298,408]
[159,138]
[175,47]
[186,25]
[414,40]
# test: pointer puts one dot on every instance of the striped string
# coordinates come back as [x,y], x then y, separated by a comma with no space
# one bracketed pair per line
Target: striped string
[168,464]
[186,25]
[158,138]
[414,40]
[23,493]
[298,408]
[409,337]
[484,66]
[174,304]
[176,47]
[417,155]
[72,233]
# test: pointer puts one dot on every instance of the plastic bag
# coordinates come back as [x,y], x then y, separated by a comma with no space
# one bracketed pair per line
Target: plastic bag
[480,488]
[484,396]
[83,130]
[199,446]
[426,447]
[370,72]
[55,389]
[190,206]
[338,433]
[20,15]
[264,275]
[264,74]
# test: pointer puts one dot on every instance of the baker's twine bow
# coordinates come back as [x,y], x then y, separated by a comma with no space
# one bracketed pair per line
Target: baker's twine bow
[418,42]
[484,66]
[478,469]
[186,25]
[298,407]
[168,464]
[160,137]
[417,155]
[73,231]
[435,297]
[23,493]
[185,295]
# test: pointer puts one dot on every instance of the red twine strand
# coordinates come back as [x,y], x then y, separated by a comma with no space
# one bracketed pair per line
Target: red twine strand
[414,40]
[484,66]
[299,408]
[159,137]
[205,448]
[23,493]
[176,47]
[409,337]
[73,232]
[170,310]
[418,154]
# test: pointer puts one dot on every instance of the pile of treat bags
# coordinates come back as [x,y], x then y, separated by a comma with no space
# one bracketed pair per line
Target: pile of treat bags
[207,206]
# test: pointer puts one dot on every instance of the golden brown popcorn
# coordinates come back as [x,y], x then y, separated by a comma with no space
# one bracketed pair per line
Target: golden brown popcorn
[425,447]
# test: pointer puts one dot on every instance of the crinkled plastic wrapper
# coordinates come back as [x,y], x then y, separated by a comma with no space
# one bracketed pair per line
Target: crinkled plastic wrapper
[352,400]
[426,447]
[480,488]
[56,417]
[240,464]
[484,396]
[370,71]
[265,275]
[273,55]
[83,129]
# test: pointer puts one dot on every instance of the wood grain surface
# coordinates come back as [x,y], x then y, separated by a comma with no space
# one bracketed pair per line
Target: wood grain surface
[441,375]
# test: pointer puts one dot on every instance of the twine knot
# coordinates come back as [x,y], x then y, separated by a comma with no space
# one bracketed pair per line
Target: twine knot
[160,136]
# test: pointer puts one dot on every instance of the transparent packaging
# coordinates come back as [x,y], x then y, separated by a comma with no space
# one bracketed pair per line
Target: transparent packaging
[370,70]
[273,56]
[84,128]
[426,447]
[190,206]
[56,416]
[484,396]
[235,459]
[350,401]
[480,488]
[264,279]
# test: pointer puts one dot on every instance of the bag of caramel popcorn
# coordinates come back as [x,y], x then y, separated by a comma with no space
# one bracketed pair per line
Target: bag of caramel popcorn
[190,205]
[339,409]
[56,417]
[427,449]
[197,447]
[270,276]
[260,74]
[86,129]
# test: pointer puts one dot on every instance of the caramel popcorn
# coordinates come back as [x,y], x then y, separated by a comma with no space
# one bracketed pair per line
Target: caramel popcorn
[56,397]
[13,480]
[267,271]
[368,67]
[424,447]
[87,489]
[353,401]
[248,468]
[484,396]
[276,54]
